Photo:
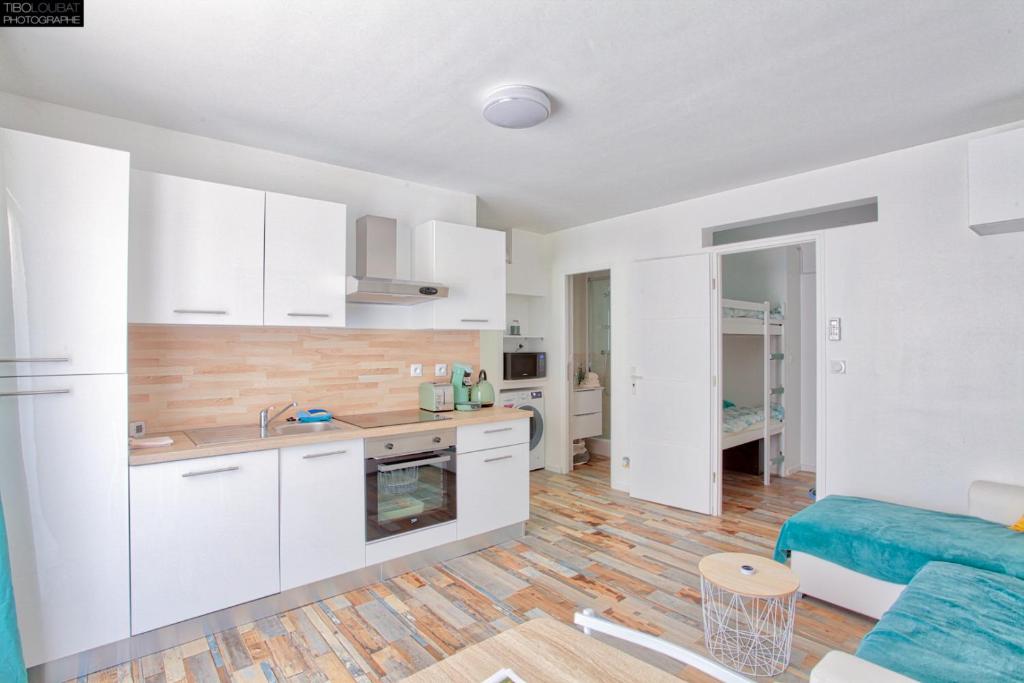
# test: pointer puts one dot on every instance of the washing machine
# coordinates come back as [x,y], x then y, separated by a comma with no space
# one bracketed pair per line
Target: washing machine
[532,400]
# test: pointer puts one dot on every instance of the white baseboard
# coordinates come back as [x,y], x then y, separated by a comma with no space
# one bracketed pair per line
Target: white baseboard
[600,446]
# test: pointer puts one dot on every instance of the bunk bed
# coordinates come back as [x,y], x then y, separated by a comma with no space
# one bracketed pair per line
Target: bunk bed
[743,424]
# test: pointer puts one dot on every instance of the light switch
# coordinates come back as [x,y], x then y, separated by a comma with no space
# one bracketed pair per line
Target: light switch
[835,329]
[839,367]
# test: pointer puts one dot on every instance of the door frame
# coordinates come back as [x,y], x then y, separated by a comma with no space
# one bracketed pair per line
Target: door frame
[818,239]
[566,378]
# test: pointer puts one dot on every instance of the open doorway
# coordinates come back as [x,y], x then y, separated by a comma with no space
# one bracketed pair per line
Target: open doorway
[769,374]
[589,347]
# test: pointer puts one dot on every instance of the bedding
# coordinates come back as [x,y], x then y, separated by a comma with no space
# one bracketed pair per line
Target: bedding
[729,312]
[952,623]
[893,542]
[738,418]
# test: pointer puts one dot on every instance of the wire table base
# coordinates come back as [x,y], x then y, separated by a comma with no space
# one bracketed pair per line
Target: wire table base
[752,635]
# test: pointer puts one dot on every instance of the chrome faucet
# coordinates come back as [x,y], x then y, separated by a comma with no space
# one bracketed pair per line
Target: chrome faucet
[265,420]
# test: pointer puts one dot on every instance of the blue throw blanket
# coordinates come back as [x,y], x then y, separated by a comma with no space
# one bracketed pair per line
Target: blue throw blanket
[952,623]
[892,542]
[12,668]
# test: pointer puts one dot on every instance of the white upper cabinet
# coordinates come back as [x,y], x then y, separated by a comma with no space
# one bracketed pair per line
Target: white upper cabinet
[527,272]
[63,257]
[195,252]
[996,182]
[471,261]
[305,262]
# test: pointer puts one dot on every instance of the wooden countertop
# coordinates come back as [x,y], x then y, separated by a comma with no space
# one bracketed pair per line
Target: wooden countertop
[542,651]
[184,449]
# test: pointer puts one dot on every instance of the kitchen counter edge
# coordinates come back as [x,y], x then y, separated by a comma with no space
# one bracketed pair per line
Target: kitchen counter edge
[184,449]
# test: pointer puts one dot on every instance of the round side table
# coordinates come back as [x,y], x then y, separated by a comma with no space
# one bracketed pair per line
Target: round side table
[748,603]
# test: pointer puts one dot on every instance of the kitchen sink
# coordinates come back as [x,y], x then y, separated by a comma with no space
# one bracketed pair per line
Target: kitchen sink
[208,436]
[290,428]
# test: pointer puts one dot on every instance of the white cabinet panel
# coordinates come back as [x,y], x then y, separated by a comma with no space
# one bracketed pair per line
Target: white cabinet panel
[471,261]
[63,256]
[204,536]
[586,401]
[196,252]
[323,529]
[305,262]
[409,543]
[527,268]
[492,435]
[585,426]
[494,489]
[64,486]
[996,182]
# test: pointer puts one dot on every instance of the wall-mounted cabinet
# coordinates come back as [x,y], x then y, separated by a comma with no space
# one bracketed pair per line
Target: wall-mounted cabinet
[195,252]
[996,183]
[197,255]
[527,266]
[305,262]
[471,261]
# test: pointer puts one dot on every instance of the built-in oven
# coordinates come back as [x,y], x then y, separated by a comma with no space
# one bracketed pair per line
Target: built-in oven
[526,365]
[410,482]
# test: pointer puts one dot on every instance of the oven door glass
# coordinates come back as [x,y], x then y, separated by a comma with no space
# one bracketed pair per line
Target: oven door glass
[409,492]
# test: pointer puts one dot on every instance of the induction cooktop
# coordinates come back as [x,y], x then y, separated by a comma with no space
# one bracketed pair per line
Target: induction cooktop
[391,418]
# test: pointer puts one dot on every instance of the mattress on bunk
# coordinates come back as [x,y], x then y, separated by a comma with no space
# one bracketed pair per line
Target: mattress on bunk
[740,418]
[893,542]
[952,623]
[729,312]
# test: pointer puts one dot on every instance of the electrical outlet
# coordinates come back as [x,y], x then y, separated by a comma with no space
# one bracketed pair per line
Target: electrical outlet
[441,370]
[416,370]
[136,428]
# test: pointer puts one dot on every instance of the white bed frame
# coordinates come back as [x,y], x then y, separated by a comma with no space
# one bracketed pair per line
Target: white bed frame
[767,329]
[995,502]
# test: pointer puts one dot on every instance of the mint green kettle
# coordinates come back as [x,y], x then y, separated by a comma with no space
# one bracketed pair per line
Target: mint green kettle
[482,392]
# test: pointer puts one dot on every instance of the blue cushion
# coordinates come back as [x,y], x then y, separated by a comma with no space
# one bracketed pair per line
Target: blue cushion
[893,542]
[952,623]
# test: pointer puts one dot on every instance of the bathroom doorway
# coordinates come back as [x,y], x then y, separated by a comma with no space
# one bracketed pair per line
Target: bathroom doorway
[590,381]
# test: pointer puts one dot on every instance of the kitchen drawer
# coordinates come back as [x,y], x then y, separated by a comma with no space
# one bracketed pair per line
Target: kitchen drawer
[407,544]
[494,489]
[587,402]
[323,532]
[584,426]
[492,435]
[204,536]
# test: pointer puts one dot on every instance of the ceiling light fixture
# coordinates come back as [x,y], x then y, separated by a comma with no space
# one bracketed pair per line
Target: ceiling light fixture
[516,106]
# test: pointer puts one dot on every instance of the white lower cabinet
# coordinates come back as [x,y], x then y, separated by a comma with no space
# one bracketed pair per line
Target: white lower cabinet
[64,488]
[204,536]
[493,489]
[322,512]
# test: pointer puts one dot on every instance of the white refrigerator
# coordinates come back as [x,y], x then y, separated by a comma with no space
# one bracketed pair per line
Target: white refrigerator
[63,391]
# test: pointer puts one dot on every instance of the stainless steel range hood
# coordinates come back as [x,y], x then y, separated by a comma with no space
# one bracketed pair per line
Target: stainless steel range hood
[375,281]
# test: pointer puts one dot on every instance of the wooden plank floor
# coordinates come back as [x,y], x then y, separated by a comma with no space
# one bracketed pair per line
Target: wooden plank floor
[586,546]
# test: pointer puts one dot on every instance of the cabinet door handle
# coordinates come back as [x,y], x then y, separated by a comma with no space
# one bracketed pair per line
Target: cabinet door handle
[217,470]
[496,431]
[35,392]
[322,455]
[476,320]
[309,315]
[500,457]
[200,311]
[55,359]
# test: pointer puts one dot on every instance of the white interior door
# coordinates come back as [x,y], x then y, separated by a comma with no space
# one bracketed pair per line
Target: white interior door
[670,416]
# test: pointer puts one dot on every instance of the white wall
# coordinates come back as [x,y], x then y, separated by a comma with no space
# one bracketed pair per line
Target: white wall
[755,276]
[168,151]
[931,313]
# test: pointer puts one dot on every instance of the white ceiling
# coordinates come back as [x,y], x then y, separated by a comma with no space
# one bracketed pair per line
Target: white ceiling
[655,102]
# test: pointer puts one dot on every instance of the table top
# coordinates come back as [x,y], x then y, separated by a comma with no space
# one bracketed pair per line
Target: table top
[542,651]
[769,580]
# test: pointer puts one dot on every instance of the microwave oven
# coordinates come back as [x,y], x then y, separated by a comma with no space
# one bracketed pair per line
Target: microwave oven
[526,365]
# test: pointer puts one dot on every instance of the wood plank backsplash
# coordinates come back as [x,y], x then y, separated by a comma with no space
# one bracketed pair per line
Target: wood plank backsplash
[185,376]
